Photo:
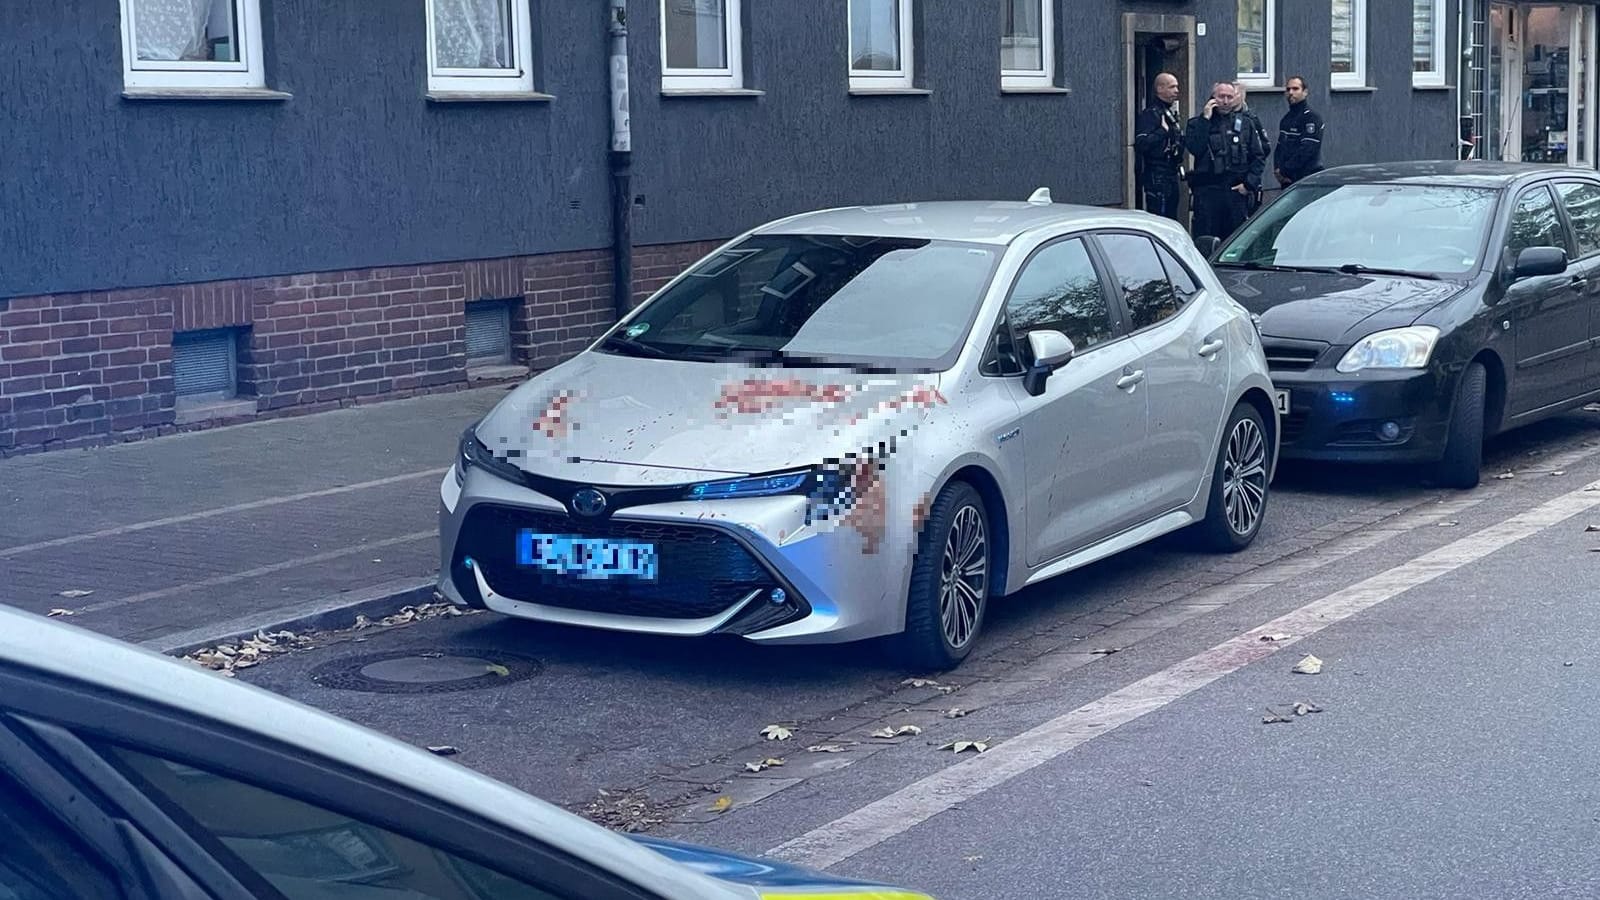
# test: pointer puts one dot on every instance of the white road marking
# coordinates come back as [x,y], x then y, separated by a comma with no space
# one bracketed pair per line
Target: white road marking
[8,552]
[256,572]
[922,800]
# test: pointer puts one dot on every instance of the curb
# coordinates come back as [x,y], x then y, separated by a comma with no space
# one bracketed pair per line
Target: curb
[339,611]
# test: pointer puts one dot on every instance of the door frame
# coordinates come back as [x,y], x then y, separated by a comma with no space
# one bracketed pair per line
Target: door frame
[1134,24]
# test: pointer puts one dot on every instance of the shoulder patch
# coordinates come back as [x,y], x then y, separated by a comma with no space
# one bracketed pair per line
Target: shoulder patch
[1311,127]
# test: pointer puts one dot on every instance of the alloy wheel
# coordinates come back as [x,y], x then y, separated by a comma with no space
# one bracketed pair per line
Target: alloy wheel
[1244,476]
[963,577]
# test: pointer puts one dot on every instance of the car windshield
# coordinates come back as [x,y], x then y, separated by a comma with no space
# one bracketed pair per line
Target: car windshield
[1432,229]
[819,300]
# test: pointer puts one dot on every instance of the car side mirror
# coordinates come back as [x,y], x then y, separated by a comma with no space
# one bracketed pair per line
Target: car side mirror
[1539,261]
[1050,350]
[1207,244]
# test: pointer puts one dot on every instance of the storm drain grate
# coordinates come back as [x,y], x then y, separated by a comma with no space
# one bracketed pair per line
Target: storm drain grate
[425,670]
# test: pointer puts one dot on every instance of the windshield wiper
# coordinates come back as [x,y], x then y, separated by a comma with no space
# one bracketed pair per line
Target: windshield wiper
[1359,269]
[1271,267]
[633,347]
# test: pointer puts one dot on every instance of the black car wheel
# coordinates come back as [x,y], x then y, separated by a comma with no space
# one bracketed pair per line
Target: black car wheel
[1238,483]
[949,581]
[1463,451]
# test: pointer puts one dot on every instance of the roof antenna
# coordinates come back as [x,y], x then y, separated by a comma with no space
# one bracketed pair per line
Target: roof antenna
[1041,197]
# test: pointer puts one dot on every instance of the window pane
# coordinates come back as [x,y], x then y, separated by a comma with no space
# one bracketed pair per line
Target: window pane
[310,853]
[1344,36]
[1145,289]
[1422,25]
[1583,207]
[473,34]
[1535,223]
[697,34]
[190,30]
[1178,275]
[1060,290]
[40,861]
[875,35]
[1253,37]
[1022,41]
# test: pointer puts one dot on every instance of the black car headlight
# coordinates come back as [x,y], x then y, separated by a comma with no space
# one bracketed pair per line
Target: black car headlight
[828,489]
[472,453]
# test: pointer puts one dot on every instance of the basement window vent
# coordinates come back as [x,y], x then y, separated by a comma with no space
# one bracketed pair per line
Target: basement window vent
[489,332]
[204,365]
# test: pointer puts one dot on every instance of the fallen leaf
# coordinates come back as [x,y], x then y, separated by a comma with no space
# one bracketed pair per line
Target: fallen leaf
[1276,637]
[1505,476]
[767,763]
[444,750]
[1559,472]
[1106,651]
[893,732]
[1305,706]
[824,748]
[956,713]
[1447,524]
[948,688]
[1308,666]
[498,669]
[721,804]
[1567,663]
[776,733]
[921,682]
[1273,717]
[74,594]
[61,612]
[964,746]
[1592,528]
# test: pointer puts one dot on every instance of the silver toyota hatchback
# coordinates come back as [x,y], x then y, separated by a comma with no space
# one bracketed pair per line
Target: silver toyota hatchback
[871,422]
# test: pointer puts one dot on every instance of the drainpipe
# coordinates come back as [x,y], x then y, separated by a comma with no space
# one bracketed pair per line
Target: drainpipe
[621,158]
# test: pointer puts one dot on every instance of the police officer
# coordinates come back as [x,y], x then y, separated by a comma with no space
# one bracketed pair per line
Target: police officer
[1299,150]
[1158,139]
[1261,135]
[1228,161]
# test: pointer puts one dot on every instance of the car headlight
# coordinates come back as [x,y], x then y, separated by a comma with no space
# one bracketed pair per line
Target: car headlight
[1397,348]
[474,454]
[827,489]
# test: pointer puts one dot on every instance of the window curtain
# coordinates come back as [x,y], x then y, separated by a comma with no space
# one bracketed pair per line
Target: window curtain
[472,34]
[875,29]
[171,29]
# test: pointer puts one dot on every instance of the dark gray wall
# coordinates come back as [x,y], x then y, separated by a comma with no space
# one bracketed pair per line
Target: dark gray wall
[359,170]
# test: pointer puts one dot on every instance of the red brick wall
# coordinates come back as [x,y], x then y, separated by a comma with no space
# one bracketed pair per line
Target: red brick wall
[85,369]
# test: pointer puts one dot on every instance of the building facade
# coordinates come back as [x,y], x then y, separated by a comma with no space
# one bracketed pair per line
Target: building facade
[219,210]
[1527,72]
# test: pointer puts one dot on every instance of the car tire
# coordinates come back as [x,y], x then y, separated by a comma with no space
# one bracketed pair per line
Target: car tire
[943,620]
[1462,464]
[1239,483]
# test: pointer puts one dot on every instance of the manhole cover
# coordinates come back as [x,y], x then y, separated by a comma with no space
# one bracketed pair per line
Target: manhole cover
[425,670]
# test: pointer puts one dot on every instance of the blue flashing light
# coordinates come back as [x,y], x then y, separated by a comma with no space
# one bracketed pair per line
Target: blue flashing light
[1342,397]
[759,486]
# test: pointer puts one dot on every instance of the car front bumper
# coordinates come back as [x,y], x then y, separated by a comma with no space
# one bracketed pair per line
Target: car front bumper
[749,567]
[1334,417]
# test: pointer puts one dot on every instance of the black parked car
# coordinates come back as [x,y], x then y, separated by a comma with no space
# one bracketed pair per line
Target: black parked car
[1409,310]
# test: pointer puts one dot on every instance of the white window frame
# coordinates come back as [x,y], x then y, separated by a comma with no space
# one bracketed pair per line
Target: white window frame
[248,73]
[1269,49]
[902,78]
[1358,49]
[516,80]
[1437,77]
[1036,78]
[730,77]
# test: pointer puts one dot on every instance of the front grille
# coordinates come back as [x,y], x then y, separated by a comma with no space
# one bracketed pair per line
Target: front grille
[700,571]
[1284,355]
[1293,425]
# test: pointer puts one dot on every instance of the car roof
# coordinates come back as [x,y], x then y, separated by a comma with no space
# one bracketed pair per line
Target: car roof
[1461,173]
[975,221]
[69,652]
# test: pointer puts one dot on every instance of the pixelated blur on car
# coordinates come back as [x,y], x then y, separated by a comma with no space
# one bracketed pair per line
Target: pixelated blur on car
[871,422]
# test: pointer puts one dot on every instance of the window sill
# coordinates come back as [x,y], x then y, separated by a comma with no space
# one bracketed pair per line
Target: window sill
[495,371]
[1353,89]
[488,97]
[205,409]
[1034,89]
[890,92]
[1251,88]
[1433,87]
[176,93]
[711,92]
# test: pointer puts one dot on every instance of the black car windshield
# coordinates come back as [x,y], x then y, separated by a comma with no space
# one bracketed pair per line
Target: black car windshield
[819,300]
[1432,229]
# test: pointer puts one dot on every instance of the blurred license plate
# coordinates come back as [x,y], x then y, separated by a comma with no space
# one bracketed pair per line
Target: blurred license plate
[1281,398]
[591,558]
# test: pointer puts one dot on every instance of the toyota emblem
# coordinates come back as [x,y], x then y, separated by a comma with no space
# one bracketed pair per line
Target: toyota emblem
[588,502]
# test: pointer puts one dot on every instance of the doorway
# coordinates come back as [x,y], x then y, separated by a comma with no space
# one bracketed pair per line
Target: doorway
[1153,44]
[1541,83]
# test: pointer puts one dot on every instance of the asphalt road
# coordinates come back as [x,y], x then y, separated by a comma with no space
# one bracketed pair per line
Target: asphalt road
[1450,754]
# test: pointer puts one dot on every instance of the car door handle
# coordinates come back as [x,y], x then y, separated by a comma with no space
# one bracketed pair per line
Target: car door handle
[1129,379]
[1211,348]
[1578,282]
